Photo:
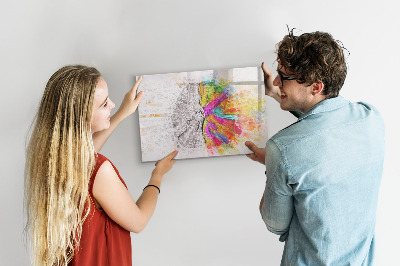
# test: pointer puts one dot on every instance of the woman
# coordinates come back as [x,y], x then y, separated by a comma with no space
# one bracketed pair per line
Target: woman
[78,207]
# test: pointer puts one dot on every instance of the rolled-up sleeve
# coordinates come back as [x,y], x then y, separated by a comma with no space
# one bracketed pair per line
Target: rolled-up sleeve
[277,209]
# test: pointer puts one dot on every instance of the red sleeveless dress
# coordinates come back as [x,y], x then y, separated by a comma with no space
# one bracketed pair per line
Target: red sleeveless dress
[103,241]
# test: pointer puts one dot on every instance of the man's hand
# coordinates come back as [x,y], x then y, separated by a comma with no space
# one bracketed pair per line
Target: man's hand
[270,89]
[258,155]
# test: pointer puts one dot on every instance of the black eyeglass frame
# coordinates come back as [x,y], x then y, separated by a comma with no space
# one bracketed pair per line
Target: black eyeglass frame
[282,78]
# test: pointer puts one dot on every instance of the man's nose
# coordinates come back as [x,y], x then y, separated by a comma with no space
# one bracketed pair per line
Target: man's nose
[277,81]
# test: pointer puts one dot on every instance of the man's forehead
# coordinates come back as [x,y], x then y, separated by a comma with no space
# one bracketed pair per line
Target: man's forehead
[282,69]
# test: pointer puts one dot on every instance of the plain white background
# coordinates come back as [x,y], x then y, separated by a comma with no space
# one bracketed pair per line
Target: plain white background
[208,208]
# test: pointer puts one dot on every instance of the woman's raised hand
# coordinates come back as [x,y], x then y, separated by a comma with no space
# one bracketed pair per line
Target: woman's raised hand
[131,100]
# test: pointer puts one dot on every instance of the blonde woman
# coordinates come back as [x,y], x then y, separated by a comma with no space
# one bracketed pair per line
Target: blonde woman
[78,207]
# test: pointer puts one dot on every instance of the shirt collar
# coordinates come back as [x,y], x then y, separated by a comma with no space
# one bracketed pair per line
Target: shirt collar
[325,106]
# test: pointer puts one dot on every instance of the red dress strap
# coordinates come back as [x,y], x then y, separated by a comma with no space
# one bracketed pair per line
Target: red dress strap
[100,159]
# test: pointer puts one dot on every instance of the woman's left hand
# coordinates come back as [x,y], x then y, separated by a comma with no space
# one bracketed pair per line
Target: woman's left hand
[131,100]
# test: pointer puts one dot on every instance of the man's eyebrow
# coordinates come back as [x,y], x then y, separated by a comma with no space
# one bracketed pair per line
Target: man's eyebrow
[283,74]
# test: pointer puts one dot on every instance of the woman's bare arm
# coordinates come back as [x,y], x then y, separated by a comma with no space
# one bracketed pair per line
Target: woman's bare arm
[114,198]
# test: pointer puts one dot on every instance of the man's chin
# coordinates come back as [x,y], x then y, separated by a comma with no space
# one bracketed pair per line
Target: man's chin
[285,108]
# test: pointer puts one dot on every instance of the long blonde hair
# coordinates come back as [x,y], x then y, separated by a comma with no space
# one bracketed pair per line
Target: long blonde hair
[59,161]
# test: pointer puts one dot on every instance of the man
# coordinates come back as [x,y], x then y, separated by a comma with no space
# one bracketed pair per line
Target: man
[323,171]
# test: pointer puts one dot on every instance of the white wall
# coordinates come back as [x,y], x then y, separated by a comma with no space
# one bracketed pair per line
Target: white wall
[208,208]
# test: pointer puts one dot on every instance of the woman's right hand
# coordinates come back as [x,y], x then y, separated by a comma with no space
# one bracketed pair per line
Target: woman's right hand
[165,164]
[130,101]
[270,89]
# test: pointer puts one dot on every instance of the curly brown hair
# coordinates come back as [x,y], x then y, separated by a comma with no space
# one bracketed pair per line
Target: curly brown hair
[314,57]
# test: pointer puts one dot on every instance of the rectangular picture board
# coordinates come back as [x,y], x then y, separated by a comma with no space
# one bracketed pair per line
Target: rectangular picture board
[202,113]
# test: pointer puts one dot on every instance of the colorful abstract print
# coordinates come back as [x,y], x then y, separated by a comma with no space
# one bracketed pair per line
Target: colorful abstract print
[226,117]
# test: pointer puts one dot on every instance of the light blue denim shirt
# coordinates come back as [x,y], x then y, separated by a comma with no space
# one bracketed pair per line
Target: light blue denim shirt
[323,176]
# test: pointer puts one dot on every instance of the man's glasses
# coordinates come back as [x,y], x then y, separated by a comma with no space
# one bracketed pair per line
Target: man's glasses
[282,78]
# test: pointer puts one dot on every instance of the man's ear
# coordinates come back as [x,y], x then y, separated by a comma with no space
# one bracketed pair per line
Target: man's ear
[317,88]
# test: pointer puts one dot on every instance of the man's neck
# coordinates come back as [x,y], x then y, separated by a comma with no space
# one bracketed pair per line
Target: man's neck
[316,100]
